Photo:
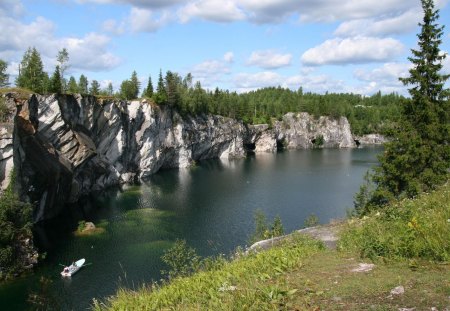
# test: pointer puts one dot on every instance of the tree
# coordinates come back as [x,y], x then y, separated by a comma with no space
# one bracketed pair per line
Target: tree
[161,94]
[127,90]
[95,88]
[31,72]
[72,87]
[55,81]
[110,89]
[136,85]
[172,83]
[418,157]
[4,77]
[148,92]
[83,85]
[63,59]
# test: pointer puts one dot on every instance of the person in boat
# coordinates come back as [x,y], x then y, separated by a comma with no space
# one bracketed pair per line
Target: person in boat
[66,269]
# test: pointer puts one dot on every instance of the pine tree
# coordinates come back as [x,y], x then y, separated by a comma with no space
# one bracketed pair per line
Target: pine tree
[161,94]
[55,81]
[110,89]
[418,157]
[95,88]
[83,85]
[4,77]
[72,87]
[31,72]
[136,85]
[149,89]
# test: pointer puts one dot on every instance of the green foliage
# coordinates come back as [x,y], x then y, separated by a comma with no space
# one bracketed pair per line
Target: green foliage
[81,225]
[4,77]
[127,90]
[15,224]
[318,141]
[72,87]
[83,85]
[161,94]
[181,259]
[418,157]
[55,81]
[31,72]
[95,88]
[311,221]
[246,283]
[262,229]
[411,228]
[4,110]
[362,200]
[148,91]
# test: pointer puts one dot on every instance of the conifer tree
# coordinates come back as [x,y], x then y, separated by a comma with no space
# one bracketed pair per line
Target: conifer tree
[31,72]
[418,157]
[72,87]
[95,88]
[55,81]
[4,77]
[161,94]
[148,92]
[83,85]
[110,89]
[136,85]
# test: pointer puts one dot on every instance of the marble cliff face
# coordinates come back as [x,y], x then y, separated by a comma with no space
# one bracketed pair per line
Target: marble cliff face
[65,146]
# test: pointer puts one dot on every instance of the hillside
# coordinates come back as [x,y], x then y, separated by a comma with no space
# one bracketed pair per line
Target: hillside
[406,270]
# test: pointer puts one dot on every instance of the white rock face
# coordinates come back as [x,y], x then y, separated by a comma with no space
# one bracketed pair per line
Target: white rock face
[301,130]
[371,139]
[67,146]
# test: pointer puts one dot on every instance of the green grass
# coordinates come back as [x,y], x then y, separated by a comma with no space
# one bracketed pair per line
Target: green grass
[251,282]
[413,228]
[408,242]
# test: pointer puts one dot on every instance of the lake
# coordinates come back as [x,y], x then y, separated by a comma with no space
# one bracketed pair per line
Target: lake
[210,205]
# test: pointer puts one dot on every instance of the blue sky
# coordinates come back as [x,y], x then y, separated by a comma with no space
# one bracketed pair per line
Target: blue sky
[358,46]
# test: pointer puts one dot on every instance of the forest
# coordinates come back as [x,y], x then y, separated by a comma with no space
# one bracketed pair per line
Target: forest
[366,114]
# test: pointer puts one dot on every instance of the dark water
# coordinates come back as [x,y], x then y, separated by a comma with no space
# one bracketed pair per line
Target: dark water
[210,205]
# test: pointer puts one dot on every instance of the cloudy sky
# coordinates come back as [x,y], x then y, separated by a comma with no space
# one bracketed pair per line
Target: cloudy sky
[358,46]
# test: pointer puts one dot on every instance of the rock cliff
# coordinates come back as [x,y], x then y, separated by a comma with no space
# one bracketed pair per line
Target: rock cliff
[65,146]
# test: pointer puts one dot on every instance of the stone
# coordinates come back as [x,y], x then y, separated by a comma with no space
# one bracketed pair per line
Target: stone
[364,267]
[399,290]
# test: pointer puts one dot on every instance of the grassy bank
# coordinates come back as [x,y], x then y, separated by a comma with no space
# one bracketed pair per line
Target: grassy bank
[408,242]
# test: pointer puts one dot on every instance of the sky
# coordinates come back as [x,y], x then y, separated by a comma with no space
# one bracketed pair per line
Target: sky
[357,46]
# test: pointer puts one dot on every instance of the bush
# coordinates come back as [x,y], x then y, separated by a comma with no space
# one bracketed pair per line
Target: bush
[411,228]
[262,230]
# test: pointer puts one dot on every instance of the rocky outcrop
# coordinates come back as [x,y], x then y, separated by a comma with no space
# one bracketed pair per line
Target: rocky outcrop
[303,131]
[370,139]
[67,146]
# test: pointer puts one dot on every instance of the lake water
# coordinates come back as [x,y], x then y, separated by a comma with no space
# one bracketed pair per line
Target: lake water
[210,205]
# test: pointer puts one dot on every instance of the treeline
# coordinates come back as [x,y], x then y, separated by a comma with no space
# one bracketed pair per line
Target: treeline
[372,114]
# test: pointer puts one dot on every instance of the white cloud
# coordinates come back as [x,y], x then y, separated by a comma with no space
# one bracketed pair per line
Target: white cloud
[403,23]
[222,11]
[113,27]
[89,52]
[149,4]
[143,20]
[269,59]
[228,57]
[352,51]
[384,78]
[11,7]
[245,82]
[210,72]
[251,81]
[265,11]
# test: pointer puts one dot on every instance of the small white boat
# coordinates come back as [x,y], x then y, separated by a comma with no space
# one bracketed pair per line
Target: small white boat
[73,268]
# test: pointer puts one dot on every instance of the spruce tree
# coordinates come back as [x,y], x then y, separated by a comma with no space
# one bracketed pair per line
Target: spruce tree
[161,94]
[31,73]
[72,86]
[418,157]
[83,85]
[149,89]
[95,88]
[4,77]
[55,81]
[136,85]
